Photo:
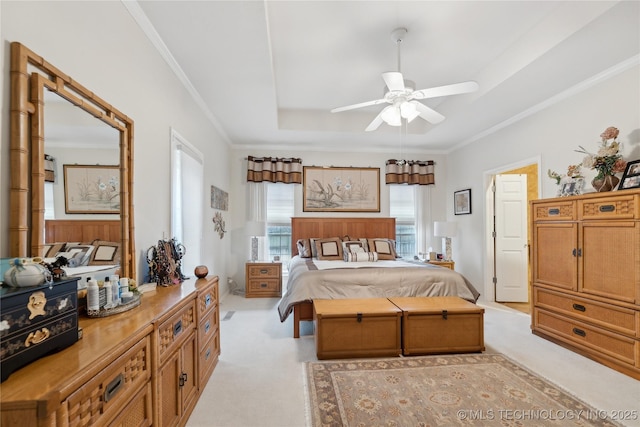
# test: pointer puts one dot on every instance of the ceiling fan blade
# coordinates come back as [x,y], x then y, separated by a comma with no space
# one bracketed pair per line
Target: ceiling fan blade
[426,113]
[377,121]
[393,80]
[454,89]
[360,105]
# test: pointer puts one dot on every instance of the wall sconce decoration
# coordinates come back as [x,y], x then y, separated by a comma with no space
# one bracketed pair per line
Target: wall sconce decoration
[219,225]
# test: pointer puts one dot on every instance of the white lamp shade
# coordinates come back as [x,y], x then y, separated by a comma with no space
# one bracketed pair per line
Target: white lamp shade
[256,228]
[445,229]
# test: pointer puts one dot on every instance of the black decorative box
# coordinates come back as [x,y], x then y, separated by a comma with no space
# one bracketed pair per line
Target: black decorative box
[36,321]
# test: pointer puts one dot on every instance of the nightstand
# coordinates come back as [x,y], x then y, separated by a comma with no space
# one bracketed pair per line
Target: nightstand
[263,280]
[448,264]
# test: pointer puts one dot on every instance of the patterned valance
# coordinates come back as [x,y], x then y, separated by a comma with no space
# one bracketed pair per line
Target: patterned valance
[49,168]
[274,169]
[410,172]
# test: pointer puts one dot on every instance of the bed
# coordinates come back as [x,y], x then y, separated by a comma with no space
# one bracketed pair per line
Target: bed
[91,246]
[376,273]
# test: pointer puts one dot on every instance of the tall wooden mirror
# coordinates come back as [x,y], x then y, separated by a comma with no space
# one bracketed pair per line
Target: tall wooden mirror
[32,78]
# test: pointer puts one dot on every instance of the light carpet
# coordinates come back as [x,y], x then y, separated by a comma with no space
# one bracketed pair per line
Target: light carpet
[446,390]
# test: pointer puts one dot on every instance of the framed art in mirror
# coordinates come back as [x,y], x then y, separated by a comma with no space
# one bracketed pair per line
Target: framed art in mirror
[341,189]
[91,189]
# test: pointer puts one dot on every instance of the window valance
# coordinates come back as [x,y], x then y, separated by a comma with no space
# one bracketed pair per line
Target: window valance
[410,172]
[274,169]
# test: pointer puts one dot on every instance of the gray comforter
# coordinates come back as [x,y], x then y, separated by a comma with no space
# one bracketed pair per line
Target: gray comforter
[311,279]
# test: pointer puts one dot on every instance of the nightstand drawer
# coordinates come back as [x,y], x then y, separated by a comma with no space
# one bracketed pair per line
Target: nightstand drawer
[266,286]
[263,270]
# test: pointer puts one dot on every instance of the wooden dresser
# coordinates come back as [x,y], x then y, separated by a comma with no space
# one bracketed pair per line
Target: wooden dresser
[138,368]
[586,275]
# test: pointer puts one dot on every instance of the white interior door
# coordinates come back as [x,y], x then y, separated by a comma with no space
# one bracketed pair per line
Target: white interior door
[511,250]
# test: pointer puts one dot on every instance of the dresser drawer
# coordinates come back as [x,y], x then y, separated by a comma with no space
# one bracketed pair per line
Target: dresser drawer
[207,300]
[173,331]
[208,357]
[554,211]
[588,337]
[104,396]
[264,287]
[208,326]
[610,207]
[617,319]
[263,270]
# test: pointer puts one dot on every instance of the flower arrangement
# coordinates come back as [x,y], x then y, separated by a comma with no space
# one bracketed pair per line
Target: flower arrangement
[607,161]
[573,171]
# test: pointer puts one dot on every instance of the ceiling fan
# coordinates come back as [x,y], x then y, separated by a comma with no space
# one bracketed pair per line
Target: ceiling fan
[402,96]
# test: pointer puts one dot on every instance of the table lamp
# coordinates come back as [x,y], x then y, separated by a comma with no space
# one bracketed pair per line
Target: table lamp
[446,230]
[255,229]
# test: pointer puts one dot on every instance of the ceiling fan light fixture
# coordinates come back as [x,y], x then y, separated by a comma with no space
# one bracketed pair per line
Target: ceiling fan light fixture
[391,116]
[408,110]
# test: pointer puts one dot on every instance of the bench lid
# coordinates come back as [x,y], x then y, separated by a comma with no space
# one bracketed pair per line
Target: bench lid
[354,306]
[427,305]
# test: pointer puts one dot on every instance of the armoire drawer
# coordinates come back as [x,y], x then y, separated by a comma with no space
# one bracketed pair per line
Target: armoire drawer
[554,211]
[623,206]
[617,319]
[106,394]
[622,348]
[172,331]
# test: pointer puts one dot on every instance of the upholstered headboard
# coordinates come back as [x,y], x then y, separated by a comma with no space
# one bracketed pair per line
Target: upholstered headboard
[323,227]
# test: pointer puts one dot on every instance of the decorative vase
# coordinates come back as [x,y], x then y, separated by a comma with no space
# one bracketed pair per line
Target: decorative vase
[201,271]
[25,274]
[607,183]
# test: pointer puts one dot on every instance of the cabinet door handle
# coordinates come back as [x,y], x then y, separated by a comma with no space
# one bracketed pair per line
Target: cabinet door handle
[607,208]
[263,285]
[554,211]
[579,307]
[265,271]
[113,387]
[182,380]
[579,332]
[576,252]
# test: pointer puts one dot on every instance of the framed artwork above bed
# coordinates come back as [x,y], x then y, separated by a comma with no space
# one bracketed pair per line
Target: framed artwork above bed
[341,189]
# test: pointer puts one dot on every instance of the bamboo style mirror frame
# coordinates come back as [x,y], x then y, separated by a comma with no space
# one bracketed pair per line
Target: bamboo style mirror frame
[31,75]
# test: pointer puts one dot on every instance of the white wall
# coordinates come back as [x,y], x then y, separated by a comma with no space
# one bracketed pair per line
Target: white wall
[100,45]
[551,135]
[239,193]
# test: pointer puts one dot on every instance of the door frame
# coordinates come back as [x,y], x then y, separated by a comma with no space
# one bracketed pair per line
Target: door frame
[489,259]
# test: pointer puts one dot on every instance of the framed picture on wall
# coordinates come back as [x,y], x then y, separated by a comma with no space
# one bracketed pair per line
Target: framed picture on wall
[335,189]
[631,177]
[462,202]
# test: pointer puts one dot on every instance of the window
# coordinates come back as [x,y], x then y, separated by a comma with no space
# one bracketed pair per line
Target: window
[186,199]
[402,207]
[279,212]
[49,205]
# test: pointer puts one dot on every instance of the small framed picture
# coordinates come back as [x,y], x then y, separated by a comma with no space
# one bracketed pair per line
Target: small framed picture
[571,187]
[462,202]
[631,177]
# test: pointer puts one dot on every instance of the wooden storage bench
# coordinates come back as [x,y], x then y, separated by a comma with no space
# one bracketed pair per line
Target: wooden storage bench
[432,325]
[347,328]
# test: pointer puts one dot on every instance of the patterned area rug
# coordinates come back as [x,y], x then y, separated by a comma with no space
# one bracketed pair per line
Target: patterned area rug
[451,390]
